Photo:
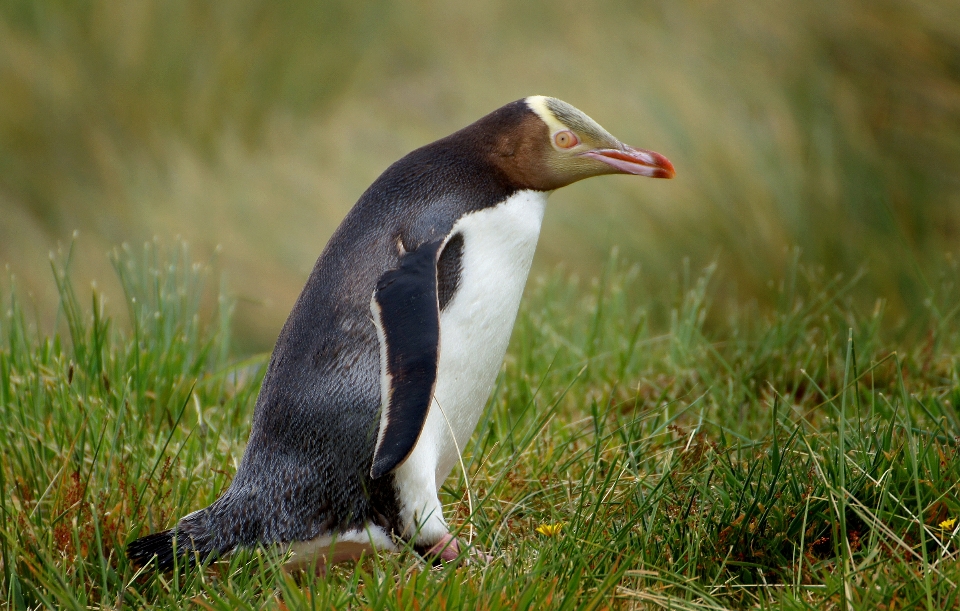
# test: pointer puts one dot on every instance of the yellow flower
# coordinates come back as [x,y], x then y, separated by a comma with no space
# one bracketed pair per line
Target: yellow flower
[948,524]
[550,530]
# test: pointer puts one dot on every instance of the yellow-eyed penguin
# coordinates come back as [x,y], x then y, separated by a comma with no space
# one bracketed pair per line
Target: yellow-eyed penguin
[394,345]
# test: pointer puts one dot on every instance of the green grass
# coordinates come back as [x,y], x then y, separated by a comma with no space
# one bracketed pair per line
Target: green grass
[705,437]
[830,125]
[803,458]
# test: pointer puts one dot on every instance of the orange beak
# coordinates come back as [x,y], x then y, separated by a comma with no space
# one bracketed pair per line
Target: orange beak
[635,161]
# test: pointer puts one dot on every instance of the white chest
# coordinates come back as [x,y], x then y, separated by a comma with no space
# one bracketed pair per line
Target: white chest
[475,327]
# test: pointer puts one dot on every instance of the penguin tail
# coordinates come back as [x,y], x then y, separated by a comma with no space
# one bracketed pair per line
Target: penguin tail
[165,551]
[156,548]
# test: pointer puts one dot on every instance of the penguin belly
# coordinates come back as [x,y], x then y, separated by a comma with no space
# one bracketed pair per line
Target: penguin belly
[475,327]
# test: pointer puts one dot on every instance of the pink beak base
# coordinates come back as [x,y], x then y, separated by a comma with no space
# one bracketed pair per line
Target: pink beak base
[635,161]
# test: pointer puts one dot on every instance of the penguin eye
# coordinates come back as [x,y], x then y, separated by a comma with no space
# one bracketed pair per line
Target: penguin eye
[566,139]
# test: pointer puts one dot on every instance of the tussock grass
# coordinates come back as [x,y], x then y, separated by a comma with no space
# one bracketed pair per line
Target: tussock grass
[831,125]
[634,454]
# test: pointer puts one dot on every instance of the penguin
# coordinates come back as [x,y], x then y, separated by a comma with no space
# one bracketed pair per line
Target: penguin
[385,364]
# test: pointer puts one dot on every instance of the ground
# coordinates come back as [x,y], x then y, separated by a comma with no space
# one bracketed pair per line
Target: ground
[645,447]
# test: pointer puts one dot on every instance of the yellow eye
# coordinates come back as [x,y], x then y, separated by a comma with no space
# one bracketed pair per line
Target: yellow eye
[566,139]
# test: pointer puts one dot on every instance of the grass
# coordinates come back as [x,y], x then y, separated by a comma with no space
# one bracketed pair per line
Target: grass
[691,439]
[831,125]
[635,454]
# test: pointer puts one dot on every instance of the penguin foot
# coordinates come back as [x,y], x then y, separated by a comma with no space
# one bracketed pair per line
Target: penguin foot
[448,549]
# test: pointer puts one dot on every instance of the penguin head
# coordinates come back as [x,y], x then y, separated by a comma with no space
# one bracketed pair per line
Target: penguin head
[544,143]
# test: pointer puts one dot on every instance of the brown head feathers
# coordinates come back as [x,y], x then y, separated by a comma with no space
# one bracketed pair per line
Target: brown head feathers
[521,140]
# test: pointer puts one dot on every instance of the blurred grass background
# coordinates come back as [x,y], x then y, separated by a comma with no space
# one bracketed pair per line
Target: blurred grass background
[832,126]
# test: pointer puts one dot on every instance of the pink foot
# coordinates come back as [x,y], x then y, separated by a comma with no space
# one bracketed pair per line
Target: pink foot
[447,549]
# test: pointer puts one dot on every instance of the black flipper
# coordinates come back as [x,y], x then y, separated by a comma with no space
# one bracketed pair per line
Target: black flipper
[406,311]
